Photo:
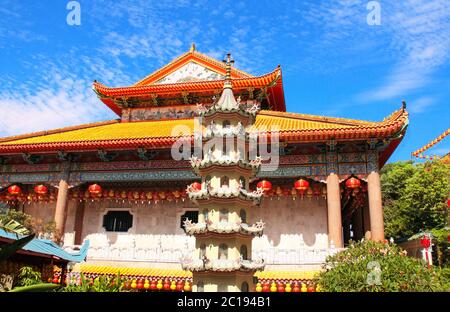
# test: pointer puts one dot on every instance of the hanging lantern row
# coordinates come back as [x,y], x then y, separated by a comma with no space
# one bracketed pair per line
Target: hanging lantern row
[286,287]
[316,191]
[135,283]
[419,152]
[41,193]
[95,192]
[301,188]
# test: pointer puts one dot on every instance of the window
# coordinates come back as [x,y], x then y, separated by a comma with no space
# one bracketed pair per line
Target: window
[207,180]
[224,181]
[242,181]
[243,216]
[244,287]
[223,215]
[202,251]
[244,252]
[205,214]
[191,215]
[117,221]
[225,123]
[223,252]
[200,287]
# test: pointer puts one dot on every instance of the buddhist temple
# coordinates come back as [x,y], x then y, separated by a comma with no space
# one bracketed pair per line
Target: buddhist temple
[264,200]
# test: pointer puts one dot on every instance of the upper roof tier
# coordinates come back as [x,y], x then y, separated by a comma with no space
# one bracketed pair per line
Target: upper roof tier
[189,79]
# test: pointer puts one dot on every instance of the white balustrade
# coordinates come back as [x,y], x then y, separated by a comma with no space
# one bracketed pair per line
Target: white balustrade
[171,248]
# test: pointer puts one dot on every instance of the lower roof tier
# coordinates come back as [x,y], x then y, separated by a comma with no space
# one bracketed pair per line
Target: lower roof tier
[158,273]
[117,135]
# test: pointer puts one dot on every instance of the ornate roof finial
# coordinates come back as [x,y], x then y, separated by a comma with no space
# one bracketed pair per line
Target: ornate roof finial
[228,63]
[192,49]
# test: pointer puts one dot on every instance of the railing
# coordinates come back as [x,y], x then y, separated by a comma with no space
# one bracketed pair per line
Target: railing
[303,255]
[171,248]
[221,265]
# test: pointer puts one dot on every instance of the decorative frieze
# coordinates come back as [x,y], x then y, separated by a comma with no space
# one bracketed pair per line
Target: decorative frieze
[133,176]
[372,161]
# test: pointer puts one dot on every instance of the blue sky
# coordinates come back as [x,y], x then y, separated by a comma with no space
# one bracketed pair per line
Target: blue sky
[333,62]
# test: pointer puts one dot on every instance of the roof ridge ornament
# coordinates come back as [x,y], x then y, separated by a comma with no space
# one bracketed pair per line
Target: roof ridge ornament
[228,63]
[192,49]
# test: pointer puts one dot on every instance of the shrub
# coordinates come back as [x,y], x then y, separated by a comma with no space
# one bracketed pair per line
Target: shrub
[99,284]
[28,276]
[369,266]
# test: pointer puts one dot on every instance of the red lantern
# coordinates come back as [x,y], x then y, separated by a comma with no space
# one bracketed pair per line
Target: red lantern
[301,185]
[130,195]
[311,289]
[196,186]
[162,195]
[266,287]
[448,202]
[14,190]
[153,285]
[180,286]
[140,285]
[353,183]
[95,189]
[166,285]
[40,189]
[264,185]
[280,287]
[316,190]
[296,288]
[425,242]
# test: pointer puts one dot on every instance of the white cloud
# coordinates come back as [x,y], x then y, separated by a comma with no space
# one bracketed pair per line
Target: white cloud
[420,44]
[421,105]
[67,102]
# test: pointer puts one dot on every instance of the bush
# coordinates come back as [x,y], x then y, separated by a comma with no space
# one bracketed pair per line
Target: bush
[28,276]
[99,284]
[377,267]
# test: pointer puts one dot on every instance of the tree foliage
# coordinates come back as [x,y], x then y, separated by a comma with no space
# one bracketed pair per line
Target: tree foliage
[414,197]
[377,267]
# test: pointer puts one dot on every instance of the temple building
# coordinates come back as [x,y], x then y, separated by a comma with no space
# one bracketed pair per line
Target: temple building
[269,196]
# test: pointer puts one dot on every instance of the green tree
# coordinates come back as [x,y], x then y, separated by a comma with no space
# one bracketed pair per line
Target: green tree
[414,197]
[393,182]
[377,267]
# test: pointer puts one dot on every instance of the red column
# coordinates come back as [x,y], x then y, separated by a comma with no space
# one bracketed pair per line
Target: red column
[375,206]
[61,206]
[334,210]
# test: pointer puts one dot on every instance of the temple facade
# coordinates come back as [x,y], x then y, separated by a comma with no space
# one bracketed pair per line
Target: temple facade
[291,190]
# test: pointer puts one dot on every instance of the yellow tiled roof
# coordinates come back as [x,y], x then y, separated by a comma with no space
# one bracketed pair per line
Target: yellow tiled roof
[170,128]
[154,272]
[287,275]
[115,131]
[174,273]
